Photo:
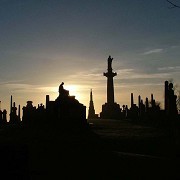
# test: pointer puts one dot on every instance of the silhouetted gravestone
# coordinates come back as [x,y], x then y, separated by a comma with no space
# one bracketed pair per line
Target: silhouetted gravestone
[142,110]
[14,118]
[41,114]
[29,113]
[147,105]
[1,120]
[4,116]
[134,112]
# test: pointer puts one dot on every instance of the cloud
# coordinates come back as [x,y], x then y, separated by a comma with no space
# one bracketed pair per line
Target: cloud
[132,74]
[96,78]
[10,82]
[20,87]
[169,68]
[91,79]
[28,88]
[153,51]
[175,46]
[135,84]
[91,75]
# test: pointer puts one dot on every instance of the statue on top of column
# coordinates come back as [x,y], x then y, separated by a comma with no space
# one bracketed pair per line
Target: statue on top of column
[110,62]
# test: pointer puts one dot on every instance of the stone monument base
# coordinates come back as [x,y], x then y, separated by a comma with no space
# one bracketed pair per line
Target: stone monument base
[69,112]
[110,111]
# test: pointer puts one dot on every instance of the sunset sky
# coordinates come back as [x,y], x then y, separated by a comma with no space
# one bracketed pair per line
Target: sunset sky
[45,42]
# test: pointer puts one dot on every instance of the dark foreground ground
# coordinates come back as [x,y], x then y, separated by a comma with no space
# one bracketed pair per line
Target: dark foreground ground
[144,152]
[108,149]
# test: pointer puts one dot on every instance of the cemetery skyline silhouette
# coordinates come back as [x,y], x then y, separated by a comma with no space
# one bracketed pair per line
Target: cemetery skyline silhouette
[90,90]
[110,109]
[60,131]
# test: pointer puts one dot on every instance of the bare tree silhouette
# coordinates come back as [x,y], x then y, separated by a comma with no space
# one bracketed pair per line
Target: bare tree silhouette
[177,93]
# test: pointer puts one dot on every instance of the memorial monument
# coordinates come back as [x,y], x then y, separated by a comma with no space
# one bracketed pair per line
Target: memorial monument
[110,110]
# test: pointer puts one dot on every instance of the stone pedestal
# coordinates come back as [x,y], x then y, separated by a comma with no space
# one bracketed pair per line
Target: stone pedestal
[110,111]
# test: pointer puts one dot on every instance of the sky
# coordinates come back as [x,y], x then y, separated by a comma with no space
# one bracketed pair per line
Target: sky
[46,42]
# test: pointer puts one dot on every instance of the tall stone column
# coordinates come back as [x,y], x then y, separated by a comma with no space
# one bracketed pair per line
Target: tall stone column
[110,84]
[110,110]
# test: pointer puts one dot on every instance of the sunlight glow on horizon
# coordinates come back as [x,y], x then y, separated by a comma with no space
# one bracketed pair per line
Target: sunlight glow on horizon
[74,90]
[82,93]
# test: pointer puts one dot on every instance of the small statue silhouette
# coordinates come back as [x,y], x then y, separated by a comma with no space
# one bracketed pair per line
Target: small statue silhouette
[110,62]
[63,92]
[61,88]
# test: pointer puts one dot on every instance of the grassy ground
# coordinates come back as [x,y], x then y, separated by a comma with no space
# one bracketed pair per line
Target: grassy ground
[99,152]
[123,135]
[147,152]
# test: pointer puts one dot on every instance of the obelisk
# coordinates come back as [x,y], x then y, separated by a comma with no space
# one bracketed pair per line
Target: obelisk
[91,112]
